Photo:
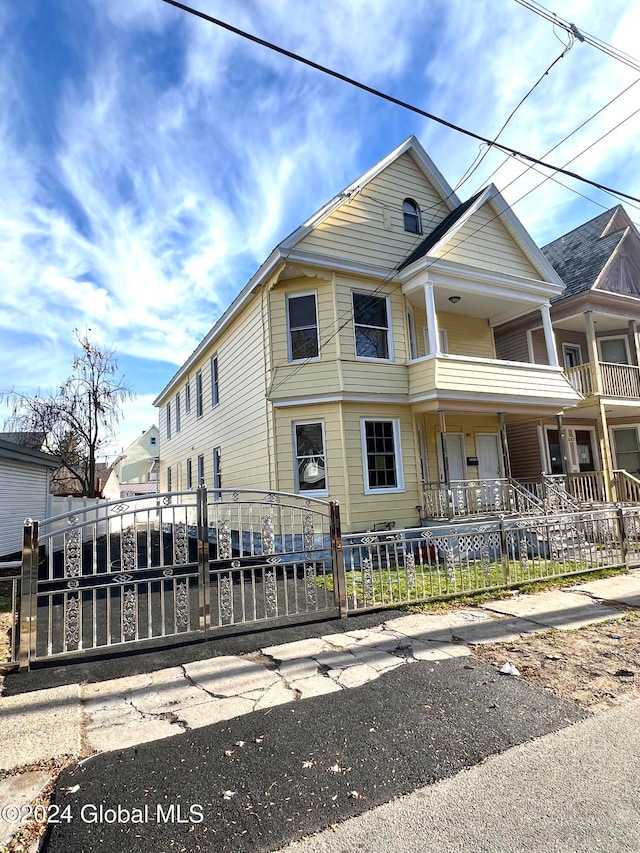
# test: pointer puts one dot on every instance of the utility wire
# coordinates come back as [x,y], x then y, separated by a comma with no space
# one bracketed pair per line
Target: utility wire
[572,133]
[581,34]
[348,314]
[390,98]
[478,162]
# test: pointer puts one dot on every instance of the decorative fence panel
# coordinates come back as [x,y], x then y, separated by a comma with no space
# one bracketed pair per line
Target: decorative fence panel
[172,568]
[413,565]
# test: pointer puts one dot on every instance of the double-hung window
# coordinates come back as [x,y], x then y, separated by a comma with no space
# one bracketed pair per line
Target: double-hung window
[215,397]
[201,470]
[178,412]
[168,416]
[217,473]
[302,324]
[199,394]
[381,456]
[371,324]
[187,398]
[310,460]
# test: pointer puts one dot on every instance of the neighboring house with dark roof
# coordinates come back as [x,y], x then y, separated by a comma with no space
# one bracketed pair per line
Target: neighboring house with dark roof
[359,362]
[24,490]
[596,323]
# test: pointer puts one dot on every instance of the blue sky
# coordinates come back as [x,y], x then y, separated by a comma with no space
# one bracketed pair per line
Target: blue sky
[150,161]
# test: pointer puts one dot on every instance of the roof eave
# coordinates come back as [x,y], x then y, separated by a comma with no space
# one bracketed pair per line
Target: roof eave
[266,269]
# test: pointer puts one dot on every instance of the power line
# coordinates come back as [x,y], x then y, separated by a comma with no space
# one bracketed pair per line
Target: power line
[581,34]
[573,132]
[390,98]
[478,161]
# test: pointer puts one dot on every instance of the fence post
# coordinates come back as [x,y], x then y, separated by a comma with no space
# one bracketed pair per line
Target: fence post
[204,589]
[28,589]
[450,510]
[504,550]
[622,534]
[337,557]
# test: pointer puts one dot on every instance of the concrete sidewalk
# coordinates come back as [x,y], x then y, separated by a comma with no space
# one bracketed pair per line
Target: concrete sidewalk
[82,719]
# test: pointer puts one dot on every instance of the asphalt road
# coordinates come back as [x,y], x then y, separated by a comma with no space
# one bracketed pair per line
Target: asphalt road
[575,790]
[301,767]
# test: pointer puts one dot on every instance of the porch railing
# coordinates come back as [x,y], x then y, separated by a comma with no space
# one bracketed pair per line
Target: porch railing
[550,493]
[618,380]
[464,498]
[580,378]
[627,487]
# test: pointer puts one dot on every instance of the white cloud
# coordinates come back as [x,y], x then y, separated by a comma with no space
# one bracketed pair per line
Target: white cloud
[181,154]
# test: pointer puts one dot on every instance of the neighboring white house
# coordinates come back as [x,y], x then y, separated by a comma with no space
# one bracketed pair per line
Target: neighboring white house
[135,471]
[138,463]
[24,488]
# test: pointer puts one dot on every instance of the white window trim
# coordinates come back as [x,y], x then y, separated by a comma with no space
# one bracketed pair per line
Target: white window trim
[189,473]
[290,357]
[199,395]
[612,440]
[566,347]
[187,397]
[614,338]
[443,340]
[178,419]
[370,358]
[417,214]
[397,452]
[318,493]
[214,367]
[216,457]
[200,470]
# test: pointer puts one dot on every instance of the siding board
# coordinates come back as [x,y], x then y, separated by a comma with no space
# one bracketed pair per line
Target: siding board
[23,494]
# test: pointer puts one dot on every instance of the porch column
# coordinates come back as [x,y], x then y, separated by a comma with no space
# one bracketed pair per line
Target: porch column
[432,320]
[592,347]
[506,462]
[605,452]
[443,442]
[549,338]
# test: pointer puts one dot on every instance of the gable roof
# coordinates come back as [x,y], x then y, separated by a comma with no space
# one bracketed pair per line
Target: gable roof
[284,249]
[410,145]
[439,231]
[580,256]
[490,194]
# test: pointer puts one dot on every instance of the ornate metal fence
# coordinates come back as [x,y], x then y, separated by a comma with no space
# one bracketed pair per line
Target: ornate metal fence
[417,564]
[10,575]
[173,567]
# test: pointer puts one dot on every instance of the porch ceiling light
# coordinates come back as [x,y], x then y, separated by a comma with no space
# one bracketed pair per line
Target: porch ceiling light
[454,299]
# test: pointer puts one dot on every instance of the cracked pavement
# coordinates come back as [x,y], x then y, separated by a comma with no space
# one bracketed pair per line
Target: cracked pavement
[122,712]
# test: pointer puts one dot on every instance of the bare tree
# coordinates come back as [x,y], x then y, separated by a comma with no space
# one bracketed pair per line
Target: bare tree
[78,419]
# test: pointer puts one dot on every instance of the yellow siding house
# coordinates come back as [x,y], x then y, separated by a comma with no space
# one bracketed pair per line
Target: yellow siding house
[359,362]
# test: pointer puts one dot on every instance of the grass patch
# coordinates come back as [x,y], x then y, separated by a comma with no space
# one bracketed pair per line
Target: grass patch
[431,588]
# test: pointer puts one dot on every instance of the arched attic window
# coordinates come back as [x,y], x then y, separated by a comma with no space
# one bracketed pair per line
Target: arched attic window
[411,213]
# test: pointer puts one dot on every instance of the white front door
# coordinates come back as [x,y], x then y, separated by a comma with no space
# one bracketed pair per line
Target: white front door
[455,456]
[488,457]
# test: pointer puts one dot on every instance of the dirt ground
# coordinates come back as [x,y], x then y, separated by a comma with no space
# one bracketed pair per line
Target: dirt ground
[597,667]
